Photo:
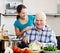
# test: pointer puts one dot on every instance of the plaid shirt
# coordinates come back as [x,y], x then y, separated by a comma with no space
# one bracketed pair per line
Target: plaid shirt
[46,36]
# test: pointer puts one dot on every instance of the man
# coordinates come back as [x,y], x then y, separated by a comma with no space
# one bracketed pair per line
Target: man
[41,33]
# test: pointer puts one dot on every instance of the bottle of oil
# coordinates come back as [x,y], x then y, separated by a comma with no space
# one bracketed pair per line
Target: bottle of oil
[2,31]
[6,34]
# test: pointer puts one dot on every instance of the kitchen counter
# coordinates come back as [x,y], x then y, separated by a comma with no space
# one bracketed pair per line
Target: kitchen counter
[14,40]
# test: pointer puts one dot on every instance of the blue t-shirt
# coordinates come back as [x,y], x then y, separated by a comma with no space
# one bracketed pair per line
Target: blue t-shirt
[30,22]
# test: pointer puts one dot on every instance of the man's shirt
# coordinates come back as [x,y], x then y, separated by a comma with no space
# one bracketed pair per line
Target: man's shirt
[46,36]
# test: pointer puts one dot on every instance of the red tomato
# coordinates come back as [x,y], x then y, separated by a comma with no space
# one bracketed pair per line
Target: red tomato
[26,51]
[18,50]
[14,49]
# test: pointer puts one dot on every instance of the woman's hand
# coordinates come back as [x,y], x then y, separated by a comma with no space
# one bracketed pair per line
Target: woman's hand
[19,33]
[26,29]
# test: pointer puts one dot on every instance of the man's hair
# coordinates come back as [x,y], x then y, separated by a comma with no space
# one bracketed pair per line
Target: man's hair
[40,15]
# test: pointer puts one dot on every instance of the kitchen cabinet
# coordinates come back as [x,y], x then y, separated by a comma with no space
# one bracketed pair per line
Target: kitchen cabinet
[10,6]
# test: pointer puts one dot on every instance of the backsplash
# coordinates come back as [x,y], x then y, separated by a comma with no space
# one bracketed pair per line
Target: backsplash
[53,22]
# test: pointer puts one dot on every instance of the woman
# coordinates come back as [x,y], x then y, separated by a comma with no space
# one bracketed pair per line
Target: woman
[23,22]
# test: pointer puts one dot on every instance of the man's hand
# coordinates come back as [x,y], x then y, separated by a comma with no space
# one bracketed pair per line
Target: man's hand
[39,43]
[25,40]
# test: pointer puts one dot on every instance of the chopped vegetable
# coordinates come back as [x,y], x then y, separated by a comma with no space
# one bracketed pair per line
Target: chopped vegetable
[50,48]
[34,46]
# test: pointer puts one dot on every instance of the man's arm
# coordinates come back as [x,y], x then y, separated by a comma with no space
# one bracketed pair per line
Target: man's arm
[25,38]
[52,40]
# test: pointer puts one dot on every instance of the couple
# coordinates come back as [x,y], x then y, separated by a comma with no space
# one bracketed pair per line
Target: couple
[39,32]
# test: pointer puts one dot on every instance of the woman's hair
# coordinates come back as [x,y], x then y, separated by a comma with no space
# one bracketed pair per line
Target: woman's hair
[19,8]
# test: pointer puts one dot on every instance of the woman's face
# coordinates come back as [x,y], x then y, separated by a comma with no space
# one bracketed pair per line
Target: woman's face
[23,13]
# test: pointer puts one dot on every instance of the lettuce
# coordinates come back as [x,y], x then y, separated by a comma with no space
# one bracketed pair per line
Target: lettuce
[50,48]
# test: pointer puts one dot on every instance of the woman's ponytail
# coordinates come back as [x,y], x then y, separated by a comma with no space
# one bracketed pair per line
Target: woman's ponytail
[18,17]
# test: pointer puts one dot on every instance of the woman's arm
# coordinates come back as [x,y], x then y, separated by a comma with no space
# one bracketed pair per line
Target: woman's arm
[19,33]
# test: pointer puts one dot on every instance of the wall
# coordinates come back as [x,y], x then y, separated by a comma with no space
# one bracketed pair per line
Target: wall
[32,8]
[8,21]
[58,1]
[2,6]
[58,6]
[48,6]
[54,23]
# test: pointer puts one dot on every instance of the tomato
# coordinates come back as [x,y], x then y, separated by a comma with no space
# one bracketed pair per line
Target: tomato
[18,50]
[26,51]
[14,49]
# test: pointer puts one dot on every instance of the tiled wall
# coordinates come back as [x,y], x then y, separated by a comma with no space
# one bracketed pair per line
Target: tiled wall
[54,23]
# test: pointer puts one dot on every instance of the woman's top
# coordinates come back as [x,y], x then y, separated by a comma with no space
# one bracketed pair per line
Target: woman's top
[30,22]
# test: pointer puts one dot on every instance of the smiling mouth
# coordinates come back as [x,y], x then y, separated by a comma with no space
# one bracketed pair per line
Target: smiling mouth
[38,24]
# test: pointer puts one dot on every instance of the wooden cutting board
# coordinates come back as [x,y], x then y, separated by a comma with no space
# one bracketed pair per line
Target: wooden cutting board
[31,51]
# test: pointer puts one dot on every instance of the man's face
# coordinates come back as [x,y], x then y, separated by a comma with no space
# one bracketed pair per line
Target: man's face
[40,22]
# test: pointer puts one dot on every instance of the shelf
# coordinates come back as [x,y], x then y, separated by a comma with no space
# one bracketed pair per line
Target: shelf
[55,15]
[10,6]
[9,14]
